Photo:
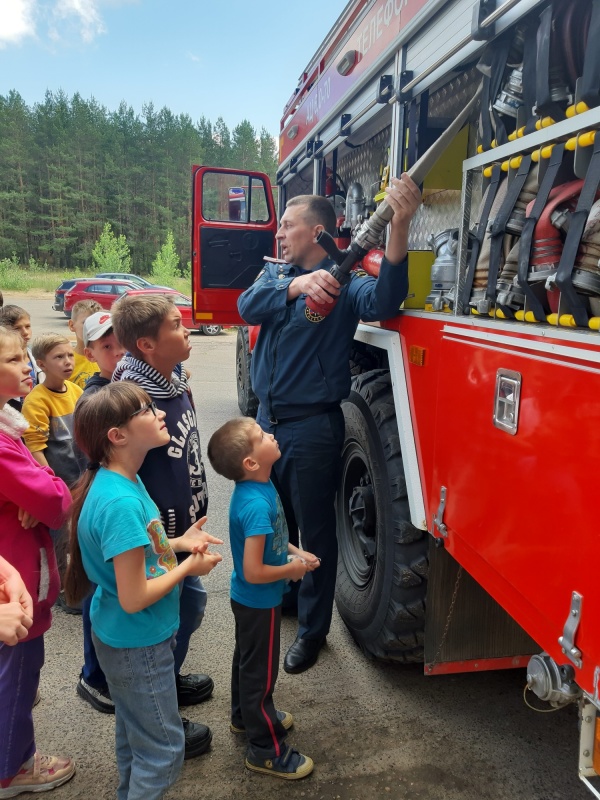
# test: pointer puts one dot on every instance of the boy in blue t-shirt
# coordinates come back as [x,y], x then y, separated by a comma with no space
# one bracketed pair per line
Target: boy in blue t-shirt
[263,560]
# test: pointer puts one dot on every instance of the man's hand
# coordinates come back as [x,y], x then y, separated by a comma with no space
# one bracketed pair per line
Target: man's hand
[404,196]
[194,539]
[319,285]
[14,623]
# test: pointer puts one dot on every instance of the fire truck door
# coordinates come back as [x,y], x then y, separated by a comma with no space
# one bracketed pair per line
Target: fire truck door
[233,229]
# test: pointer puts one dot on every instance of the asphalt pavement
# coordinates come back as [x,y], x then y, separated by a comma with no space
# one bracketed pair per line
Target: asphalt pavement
[374,730]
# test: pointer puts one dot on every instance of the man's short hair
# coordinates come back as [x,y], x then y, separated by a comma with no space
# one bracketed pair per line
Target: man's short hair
[229,446]
[42,345]
[319,211]
[87,307]
[139,316]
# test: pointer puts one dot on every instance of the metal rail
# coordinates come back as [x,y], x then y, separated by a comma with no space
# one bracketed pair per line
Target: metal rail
[493,17]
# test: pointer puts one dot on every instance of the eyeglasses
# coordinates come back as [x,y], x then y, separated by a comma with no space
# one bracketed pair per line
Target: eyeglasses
[148,407]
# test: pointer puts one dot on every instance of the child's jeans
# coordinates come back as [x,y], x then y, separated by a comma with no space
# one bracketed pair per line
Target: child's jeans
[192,603]
[149,734]
[19,679]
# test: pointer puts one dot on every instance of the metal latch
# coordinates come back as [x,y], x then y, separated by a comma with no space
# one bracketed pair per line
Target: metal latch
[506,400]
[438,520]
[567,640]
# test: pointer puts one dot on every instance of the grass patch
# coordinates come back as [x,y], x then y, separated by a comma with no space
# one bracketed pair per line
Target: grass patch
[17,278]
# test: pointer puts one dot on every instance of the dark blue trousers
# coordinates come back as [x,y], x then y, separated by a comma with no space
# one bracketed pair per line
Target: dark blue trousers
[19,680]
[306,477]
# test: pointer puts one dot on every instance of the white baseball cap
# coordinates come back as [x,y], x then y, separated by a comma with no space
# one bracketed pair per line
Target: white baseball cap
[96,326]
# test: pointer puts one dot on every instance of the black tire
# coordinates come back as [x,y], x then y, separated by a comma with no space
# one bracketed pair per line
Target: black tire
[383,559]
[67,314]
[247,400]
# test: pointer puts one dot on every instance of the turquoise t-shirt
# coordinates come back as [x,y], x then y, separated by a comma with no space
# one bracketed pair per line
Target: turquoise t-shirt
[118,515]
[256,510]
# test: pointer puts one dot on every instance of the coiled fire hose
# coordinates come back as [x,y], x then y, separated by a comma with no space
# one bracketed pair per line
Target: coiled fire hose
[368,234]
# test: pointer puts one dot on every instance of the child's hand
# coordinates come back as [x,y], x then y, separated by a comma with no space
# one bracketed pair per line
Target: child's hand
[14,623]
[202,563]
[26,520]
[312,561]
[193,537]
[13,590]
[297,568]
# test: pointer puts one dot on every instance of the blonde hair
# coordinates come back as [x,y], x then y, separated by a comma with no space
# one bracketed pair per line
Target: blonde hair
[229,446]
[10,334]
[87,307]
[41,345]
[139,316]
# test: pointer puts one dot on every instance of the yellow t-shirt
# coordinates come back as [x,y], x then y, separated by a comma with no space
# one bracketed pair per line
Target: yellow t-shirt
[83,370]
[50,418]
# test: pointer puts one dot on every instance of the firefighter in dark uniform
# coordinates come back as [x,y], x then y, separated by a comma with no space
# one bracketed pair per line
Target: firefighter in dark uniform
[301,373]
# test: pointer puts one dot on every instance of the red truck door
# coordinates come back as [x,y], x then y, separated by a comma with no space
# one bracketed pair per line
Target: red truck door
[233,229]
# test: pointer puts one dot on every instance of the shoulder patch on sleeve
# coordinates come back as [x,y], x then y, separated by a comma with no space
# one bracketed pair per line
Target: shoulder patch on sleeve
[260,274]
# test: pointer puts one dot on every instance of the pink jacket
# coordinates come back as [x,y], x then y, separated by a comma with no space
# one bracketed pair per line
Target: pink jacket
[25,484]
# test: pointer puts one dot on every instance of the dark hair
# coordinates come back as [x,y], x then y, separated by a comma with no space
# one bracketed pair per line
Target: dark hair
[319,211]
[229,446]
[95,414]
[138,316]
[11,314]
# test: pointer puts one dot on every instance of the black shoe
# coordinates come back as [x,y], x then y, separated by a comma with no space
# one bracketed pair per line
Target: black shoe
[302,655]
[197,738]
[193,689]
[61,602]
[98,698]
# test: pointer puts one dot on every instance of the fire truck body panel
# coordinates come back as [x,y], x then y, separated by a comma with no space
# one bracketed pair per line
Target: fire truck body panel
[465,523]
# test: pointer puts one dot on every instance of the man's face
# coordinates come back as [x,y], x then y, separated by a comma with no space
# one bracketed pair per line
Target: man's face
[297,238]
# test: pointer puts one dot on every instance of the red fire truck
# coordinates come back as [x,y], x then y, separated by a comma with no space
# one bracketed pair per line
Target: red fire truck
[465,508]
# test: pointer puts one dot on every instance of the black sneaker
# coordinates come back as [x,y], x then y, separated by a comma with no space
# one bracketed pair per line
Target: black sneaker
[61,602]
[193,689]
[197,738]
[291,765]
[98,698]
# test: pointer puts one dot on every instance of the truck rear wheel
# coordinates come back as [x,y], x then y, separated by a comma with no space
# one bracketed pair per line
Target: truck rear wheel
[382,564]
[247,400]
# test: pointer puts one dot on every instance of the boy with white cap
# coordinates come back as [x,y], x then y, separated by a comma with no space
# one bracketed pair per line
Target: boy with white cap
[101,346]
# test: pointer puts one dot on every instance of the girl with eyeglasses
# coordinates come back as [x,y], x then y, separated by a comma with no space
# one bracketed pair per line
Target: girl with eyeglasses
[118,542]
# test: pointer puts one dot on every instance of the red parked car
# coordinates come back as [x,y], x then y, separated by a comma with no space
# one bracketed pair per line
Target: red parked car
[102,290]
[184,304]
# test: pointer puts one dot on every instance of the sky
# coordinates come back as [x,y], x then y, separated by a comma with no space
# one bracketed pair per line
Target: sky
[238,59]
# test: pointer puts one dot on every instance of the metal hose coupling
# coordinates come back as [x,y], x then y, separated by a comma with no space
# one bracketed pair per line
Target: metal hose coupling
[366,238]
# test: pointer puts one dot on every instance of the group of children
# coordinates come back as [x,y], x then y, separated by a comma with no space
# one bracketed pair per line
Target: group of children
[114,467]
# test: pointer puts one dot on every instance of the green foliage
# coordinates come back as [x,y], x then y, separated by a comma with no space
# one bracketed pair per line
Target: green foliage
[68,166]
[111,253]
[11,275]
[165,266]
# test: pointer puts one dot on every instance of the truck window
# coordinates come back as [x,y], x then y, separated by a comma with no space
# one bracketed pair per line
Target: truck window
[228,197]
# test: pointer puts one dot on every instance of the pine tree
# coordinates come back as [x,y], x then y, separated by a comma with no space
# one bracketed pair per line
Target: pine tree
[111,253]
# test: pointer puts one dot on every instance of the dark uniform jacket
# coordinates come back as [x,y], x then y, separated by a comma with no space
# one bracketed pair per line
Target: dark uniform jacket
[298,363]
